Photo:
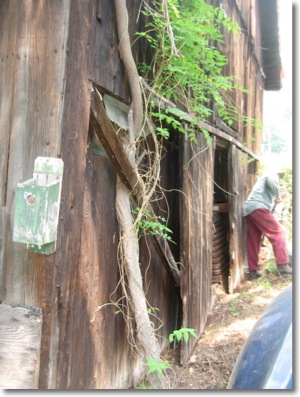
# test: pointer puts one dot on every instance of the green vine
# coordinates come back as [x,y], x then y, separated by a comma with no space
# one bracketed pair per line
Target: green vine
[159,367]
[187,66]
[148,224]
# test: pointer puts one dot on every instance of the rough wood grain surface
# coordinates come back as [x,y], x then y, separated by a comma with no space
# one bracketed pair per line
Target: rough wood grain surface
[50,52]
[20,338]
[196,237]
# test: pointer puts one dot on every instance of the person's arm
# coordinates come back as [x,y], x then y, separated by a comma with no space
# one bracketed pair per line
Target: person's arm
[272,183]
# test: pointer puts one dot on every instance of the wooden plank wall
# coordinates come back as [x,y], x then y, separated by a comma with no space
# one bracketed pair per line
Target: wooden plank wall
[32,59]
[33,64]
[196,236]
[20,340]
[3,235]
[95,342]
[74,144]
[238,169]
[49,53]
[108,70]
[46,112]
[243,64]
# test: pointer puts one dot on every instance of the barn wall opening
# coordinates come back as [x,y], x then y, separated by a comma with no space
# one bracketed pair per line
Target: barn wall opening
[220,229]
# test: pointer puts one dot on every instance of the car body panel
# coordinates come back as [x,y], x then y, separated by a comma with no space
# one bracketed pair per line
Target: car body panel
[266,359]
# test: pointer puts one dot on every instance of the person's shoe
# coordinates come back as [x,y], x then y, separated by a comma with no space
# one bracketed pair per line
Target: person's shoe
[254,274]
[284,269]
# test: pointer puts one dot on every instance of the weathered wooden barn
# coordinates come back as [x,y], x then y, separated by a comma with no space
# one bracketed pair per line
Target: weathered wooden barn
[52,54]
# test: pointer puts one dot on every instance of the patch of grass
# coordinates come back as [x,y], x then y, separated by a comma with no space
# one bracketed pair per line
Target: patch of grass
[245,295]
[236,305]
[240,303]
[266,284]
[143,386]
[234,310]
[271,267]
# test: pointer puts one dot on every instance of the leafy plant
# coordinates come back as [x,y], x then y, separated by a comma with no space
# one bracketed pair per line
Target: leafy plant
[150,224]
[143,386]
[166,117]
[156,366]
[187,65]
[184,333]
[153,310]
[159,366]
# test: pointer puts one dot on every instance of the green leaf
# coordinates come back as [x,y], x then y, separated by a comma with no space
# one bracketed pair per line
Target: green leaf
[156,366]
[195,77]
[164,132]
[184,333]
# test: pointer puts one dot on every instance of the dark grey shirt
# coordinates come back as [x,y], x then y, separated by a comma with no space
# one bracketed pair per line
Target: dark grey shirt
[262,194]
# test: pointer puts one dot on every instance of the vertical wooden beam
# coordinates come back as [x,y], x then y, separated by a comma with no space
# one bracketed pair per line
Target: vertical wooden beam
[3,231]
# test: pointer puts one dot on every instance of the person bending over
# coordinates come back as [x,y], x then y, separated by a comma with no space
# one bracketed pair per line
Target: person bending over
[260,220]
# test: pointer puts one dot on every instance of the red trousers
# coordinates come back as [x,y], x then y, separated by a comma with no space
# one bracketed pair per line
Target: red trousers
[260,222]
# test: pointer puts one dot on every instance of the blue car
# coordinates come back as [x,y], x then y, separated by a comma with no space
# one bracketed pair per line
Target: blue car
[266,359]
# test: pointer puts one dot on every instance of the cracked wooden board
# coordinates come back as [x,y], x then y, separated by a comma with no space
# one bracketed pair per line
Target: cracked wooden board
[20,339]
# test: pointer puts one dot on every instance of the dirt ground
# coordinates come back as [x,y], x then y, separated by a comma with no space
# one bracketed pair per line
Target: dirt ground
[233,317]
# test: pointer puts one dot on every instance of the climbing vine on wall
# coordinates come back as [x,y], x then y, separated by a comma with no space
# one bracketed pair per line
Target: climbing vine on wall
[183,85]
[187,66]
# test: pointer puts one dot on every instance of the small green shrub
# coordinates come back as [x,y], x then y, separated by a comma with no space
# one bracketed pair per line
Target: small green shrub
[156,366]
[184,333]
[160,366]
[150,224]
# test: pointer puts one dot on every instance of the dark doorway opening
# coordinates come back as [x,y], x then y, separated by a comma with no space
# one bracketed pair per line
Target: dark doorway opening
[220,232]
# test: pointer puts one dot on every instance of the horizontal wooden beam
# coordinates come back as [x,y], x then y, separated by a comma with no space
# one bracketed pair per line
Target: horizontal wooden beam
[105,131]
[164,102]
[228,138]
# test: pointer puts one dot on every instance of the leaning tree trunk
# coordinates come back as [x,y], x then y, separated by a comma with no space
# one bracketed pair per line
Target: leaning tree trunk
[129,238]
[130,259]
